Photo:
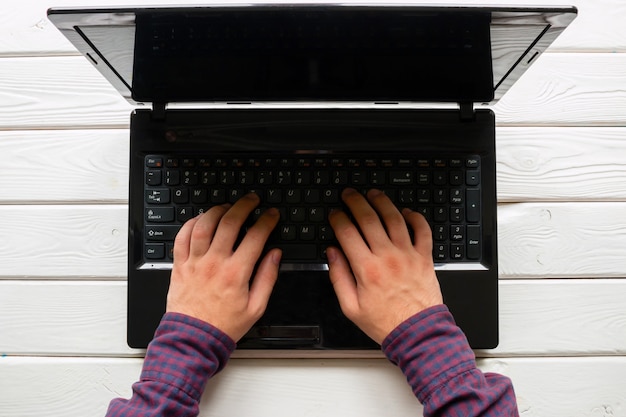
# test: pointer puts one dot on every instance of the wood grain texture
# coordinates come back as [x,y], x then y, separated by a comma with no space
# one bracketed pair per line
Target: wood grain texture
[562,240]
[64,166]
[64,241]
[561,164]
[75,318]
[71,387]
[560,89]
[70,93]
[533,164]
[25,30]
[567,90]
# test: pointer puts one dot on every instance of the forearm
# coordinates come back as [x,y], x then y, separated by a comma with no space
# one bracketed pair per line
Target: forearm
[440,366]
[184,354]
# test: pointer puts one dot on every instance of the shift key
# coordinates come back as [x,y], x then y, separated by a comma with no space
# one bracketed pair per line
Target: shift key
[162,232]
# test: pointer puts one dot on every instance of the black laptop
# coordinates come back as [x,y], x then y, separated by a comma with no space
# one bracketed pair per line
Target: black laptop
[295,103]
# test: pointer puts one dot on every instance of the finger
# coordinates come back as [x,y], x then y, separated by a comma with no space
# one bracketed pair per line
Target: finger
[231,223]
[252,244]
[394,222]
[367,219]
[343,282]
[204,229]
[263,283]
[182,240]
[348,236]
[423,236]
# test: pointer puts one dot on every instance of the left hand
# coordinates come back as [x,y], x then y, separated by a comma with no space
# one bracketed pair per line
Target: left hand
[210,281]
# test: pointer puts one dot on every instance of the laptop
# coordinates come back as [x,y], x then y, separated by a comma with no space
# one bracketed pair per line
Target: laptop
[295,103]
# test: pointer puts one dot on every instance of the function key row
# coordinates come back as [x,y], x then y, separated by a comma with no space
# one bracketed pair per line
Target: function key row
[176,162]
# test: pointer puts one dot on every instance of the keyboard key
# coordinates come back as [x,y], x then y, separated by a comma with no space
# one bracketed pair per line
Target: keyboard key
[401,177]
[181,196]
[293,196]
[473,178]
[306,232]
[160,214]
[473,206]
[158,196]
[154,162]
[473,242]
[183,214]
[154,250]
[457,251]
[161,232]
[199,195]
[153,178]
[172,177]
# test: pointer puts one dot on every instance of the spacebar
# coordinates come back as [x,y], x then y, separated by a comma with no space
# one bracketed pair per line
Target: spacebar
[298,252]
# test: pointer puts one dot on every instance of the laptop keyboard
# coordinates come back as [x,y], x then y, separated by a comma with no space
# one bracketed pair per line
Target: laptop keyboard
[305,188]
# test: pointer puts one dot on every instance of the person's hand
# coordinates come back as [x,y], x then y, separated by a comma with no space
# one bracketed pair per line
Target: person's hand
[210,281]
[388,278]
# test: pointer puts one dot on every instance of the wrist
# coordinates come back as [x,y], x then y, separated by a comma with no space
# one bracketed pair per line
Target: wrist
[430,349]
[202,351]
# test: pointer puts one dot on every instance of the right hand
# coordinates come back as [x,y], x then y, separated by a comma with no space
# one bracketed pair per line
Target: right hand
[383,278]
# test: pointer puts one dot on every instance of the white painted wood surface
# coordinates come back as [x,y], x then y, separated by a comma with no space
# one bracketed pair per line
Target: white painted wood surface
[562,239]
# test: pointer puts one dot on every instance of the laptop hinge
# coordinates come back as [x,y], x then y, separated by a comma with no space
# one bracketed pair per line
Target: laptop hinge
[467,111]
[158,111]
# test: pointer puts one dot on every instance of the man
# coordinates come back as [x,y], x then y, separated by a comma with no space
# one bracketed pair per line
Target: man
[385,283]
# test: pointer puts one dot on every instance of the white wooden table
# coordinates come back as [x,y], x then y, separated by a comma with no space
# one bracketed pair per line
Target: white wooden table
[63,208]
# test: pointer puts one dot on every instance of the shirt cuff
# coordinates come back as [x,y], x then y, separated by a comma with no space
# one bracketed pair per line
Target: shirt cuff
[185,353]
[430,349]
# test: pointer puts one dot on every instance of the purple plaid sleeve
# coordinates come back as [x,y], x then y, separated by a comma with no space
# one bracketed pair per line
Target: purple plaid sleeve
[440,366]
[181,358]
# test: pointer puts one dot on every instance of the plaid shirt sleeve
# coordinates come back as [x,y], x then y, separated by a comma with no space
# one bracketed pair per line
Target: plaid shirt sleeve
[181,358]
[440,366]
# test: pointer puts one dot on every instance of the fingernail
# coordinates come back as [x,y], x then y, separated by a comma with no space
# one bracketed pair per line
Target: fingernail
[333,211]
[331,255]
[273,211]
[349,191]
[374,192]
[276,255]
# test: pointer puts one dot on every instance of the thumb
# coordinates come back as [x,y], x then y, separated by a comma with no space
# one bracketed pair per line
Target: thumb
[263,283]
[343,282]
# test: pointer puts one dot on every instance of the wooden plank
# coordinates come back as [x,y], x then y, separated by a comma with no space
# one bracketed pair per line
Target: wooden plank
[25,30]
[64,166]
[536,240]
[558,163]
[586,317]
[562,240]
[57,92]
[560,89]
[64,241]
[567,90]
[556,387]
[534,164]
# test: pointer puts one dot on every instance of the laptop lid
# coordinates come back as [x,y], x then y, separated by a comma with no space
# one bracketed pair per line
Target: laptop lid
[314,53]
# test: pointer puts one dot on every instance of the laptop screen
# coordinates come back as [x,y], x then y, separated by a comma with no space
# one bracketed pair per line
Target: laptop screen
[313,52]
